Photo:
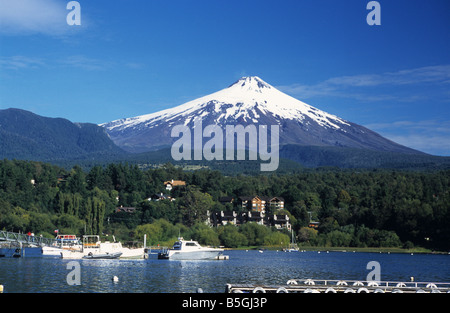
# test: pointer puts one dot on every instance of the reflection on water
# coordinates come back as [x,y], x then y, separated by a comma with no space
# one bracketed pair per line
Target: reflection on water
[36,274]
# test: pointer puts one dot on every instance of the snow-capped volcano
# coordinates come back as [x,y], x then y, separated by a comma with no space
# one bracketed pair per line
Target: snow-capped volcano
[243,101]
[250,100]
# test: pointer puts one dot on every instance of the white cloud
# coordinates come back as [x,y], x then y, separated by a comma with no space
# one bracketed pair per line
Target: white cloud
[33,16]
[354,86]
[20,62]
[427,86]
[430,136]
[428,74]
[135,65]
[432,144]
[86,63]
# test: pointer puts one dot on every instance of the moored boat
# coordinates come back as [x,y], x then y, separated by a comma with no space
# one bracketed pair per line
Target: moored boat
[62,242]
[292,246]
[93,246]
[107,255]
[190,250]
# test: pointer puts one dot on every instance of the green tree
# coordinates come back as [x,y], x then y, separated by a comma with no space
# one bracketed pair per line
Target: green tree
[68,224]
[344,198]
[338,238]
[194,206]
[76,182]
[158,232]
[306,234]
[205,235]
[231,238]
[300,213]
[254,233]
[40,223]
[276,239]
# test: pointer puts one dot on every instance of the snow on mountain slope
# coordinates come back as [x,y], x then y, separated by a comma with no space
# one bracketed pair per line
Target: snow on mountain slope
[246,95]
[250,100]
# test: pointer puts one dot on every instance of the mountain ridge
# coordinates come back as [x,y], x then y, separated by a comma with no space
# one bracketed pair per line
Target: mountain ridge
[28,136]
[25,135]
[249,100]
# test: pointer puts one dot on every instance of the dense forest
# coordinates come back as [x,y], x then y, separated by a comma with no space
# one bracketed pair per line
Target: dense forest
[369,208]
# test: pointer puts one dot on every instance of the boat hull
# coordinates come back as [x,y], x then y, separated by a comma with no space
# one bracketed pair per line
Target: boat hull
[56,251]
[194,255]
[125,253]
[138,253]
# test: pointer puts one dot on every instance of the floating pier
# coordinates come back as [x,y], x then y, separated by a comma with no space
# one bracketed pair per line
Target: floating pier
[341,286]
[6,236]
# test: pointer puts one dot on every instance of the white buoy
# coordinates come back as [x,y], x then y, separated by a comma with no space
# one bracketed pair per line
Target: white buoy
[115,279]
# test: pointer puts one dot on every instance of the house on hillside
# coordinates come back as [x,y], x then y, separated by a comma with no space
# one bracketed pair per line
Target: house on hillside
[222,218]
[62,178]
[275,203]
[228,217]
[125,209]
[281,221]
[261,204]
[256,217]
[252,203]
[174,183]
[225,200]
[160,196]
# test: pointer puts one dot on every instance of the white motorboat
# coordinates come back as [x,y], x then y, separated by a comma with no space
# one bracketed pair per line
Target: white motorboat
[92,246]
[190,250]
[62,242]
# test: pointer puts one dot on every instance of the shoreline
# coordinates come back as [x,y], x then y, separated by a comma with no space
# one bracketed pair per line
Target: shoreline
[417,250]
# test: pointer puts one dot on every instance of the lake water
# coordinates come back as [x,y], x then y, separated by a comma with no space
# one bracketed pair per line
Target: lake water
[48,275]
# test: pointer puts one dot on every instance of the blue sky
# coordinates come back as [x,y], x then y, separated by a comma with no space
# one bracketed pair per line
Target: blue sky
[134,57]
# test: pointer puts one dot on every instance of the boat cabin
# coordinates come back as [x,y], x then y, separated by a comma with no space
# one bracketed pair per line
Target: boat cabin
[181,244]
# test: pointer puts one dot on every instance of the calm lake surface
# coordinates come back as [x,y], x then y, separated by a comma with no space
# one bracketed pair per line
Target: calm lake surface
[48,275]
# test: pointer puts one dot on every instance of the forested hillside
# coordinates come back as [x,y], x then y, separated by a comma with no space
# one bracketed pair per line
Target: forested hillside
[25,135]
[359,209]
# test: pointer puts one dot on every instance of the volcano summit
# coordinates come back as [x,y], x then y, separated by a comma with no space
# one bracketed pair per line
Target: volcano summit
[250,100]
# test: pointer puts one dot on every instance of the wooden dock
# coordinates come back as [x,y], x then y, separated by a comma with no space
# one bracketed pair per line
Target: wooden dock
[341,286]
